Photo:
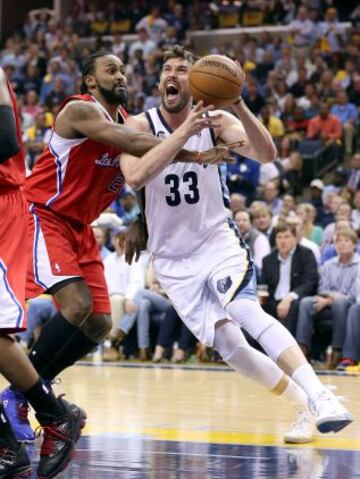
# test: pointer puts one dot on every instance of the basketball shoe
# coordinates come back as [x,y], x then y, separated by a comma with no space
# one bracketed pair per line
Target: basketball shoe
[330,414]
[302,430]
[60,436]
[14,460]
[17,408]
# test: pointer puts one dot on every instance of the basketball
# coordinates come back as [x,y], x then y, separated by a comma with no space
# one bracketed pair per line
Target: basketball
[217,80]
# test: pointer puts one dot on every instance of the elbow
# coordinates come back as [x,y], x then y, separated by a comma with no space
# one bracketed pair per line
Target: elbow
[135,181]
[269,154]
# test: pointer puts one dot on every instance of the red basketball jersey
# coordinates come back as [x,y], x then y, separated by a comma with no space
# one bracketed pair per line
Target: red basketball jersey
[78,178]
[12,171]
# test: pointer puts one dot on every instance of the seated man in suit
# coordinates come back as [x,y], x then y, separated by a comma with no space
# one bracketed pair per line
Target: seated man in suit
[290,271]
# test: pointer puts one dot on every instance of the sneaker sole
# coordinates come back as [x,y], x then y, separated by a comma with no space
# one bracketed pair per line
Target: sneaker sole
[333,425]
[23,474]
[293,440]
[81,422]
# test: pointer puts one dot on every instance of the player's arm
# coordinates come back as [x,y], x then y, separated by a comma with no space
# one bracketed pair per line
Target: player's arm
[138,171]
[258,143]
[85,119]
[9,145]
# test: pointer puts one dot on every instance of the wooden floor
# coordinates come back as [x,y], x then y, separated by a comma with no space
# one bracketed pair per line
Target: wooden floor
[164,423]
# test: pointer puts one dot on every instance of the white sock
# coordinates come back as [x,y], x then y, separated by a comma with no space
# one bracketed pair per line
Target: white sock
[306,378]
[296,396]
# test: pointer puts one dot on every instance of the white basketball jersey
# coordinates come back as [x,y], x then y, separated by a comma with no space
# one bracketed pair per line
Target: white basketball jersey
[186,202]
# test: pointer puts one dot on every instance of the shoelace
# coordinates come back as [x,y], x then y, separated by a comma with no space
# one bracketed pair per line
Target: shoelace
[50,434]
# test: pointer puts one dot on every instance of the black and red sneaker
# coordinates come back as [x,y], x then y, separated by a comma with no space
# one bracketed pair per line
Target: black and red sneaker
[60,437]
[14,461]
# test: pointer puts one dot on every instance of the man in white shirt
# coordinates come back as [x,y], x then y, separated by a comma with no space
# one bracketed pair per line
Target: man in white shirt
[123,282]
[258,243]
[144,44]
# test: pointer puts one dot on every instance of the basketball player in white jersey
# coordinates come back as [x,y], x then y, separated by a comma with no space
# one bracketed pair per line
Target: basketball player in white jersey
[201,261]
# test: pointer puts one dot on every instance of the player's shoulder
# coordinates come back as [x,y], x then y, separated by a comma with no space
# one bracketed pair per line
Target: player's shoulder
[79,109]
[139,122]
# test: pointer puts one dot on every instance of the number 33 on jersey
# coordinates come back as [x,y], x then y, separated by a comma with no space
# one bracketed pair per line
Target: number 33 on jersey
[176,206]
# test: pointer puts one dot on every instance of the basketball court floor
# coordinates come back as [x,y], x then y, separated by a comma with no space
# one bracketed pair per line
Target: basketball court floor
[164,422]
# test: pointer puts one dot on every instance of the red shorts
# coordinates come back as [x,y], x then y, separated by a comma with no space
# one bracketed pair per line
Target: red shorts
[61,250]
[13,259]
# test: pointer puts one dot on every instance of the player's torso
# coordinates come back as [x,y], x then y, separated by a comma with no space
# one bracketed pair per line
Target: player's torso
[186,202]
[12,171]
[76,178]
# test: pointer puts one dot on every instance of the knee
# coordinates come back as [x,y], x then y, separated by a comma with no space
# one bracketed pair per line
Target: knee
[306,303]
[97,327]
[145,304]
[78,310]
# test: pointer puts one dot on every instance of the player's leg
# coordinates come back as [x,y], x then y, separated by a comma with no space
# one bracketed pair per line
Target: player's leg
[283,349]
[231,344]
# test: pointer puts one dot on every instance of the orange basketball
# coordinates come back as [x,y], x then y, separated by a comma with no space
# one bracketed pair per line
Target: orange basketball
[216,80]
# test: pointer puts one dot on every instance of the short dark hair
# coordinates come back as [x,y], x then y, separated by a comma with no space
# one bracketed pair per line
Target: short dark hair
[178,51]
[283,227]
[88,67]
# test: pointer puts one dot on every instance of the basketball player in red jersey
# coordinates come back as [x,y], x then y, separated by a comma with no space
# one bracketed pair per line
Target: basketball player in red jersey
[61,423]
[76,178]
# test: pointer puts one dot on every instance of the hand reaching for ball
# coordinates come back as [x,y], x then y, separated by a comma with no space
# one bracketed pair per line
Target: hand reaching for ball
[197,120]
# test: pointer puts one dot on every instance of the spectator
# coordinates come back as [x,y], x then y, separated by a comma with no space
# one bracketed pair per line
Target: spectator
[337,291]
[351,349]
[271,197]
[355,216]
[262,220]
[329,250]
[331,32]
[237,202]
[153,24]
[123,282]
[172,328]
[301,239]
[274,125]
[325,126]
[243,176]
[129,206]
[348,116]
[31,105]
[253,99]
[316,191]
[100,238]
[258,242]
[57,94]
[303,31]
[354,175]
[36,138]
[290,271]
[343,212]
[339,180]
[307,213]
[144,43]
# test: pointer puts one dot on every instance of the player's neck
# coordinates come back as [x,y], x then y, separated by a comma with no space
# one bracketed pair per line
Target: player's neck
[174,120]
[110,108]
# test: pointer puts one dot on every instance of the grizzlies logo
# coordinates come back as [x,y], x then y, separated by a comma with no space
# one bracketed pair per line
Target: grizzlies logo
[224,285]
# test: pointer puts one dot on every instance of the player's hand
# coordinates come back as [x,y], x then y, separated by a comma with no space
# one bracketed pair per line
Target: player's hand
[135,240]
[197,120]
[219,154]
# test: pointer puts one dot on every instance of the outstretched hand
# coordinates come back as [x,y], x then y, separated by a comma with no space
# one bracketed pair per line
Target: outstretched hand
[198,119]
[219,154]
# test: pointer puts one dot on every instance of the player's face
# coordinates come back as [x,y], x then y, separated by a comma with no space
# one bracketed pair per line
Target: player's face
[174,85]
[110,79]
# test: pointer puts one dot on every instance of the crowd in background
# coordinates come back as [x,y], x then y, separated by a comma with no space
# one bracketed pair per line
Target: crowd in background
[302,227]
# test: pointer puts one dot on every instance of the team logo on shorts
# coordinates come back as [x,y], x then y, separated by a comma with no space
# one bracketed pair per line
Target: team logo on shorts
[224,285]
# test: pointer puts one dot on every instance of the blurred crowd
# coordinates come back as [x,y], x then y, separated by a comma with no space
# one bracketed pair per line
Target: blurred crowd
[300,215]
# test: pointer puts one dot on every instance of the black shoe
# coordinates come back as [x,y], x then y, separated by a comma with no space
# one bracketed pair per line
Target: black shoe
[14,461]
[60,436]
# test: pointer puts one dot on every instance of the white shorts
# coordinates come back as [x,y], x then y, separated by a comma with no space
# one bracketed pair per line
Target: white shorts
[202,284]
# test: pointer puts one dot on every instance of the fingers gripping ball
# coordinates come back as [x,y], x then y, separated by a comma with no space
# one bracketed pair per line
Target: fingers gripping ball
[216,80]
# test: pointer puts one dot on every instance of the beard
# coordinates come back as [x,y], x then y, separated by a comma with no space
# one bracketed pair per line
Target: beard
[175,108]
[114,96]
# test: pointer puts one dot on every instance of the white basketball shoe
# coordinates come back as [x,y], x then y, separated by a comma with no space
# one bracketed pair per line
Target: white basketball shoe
[302,430]
[330,414]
